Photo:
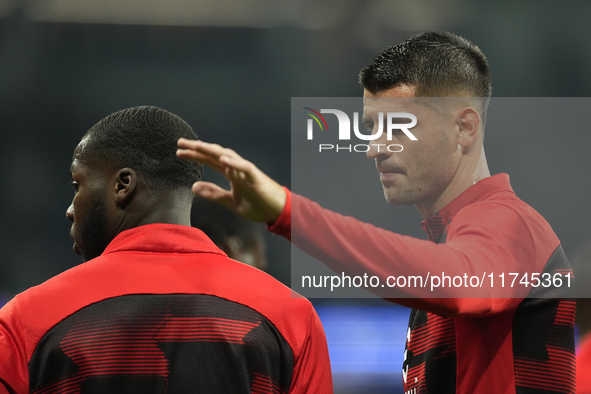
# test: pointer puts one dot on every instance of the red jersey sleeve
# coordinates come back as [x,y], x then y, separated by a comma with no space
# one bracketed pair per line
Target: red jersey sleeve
[312,374]
[483,238]
[14,375]
[282,225]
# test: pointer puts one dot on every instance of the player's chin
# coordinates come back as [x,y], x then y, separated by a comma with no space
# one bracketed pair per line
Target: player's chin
[395,197]
[91,250]
[76,249]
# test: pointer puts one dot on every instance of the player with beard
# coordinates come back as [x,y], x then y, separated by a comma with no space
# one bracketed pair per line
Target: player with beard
[92,231]
[156,307]
[508,343]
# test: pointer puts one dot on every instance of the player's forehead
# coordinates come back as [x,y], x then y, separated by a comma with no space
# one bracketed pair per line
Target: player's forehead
[373,107]
[80,148]
[400,90]
[387,104]
[421,107]
[84,163]
[79,167]
[78,163]
[389,100]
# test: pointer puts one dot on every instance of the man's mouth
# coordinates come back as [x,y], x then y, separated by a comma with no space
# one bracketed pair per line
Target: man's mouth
[387,174]
[384,176]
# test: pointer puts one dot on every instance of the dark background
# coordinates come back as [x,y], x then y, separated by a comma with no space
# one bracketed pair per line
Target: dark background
[229,68]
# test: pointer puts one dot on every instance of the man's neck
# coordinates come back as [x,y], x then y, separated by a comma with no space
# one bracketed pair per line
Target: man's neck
[162,207]
[464,178]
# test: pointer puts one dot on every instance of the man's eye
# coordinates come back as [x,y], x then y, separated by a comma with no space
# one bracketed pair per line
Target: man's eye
[369,128]
[75,186]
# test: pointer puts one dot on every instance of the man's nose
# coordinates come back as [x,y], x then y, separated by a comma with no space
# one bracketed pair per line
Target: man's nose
[378,147]
[70,212]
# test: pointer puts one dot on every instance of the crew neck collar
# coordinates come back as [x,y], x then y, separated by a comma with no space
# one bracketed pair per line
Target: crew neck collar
[435,224]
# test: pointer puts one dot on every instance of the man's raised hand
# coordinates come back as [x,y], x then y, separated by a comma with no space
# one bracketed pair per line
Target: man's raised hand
[252,193]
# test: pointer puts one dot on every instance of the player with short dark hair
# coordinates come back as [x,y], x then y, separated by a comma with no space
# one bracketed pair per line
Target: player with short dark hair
[140,141]
[507,343]
[140,138]
[437,64]
[156,307]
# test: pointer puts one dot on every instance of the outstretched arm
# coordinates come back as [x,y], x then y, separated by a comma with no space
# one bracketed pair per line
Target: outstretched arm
[252,193]
[475,246]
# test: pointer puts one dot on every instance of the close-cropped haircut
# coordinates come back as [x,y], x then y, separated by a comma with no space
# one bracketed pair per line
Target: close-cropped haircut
[145,139]
[437,64]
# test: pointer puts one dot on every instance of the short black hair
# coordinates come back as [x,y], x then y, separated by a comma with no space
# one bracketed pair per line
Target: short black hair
[145,139]
[437,64]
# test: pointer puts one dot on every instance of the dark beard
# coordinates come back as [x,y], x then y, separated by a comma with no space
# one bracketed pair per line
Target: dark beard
[92,231]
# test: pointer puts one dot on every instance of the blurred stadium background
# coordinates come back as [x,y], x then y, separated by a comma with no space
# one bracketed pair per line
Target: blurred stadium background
[230,67]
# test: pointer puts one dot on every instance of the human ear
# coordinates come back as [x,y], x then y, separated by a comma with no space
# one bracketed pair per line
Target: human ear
[125,185]
[469,126]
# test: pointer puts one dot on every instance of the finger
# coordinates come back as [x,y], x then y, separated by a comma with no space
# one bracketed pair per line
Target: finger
[192,155]
[212,192]
[187,143]
[234,176]
[213,150]
[244,167]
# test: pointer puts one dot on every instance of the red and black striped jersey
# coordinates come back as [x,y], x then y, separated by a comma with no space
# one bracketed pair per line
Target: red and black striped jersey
[510,341]
[162,310]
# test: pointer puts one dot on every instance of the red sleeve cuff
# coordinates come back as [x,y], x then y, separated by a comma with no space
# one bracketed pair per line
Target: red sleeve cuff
[282,225]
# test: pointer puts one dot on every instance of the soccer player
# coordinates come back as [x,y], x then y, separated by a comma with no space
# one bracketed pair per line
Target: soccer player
[156,307]
[474,222]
